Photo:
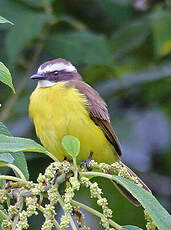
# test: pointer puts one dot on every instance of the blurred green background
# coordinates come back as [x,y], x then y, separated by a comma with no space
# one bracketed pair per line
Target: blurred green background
[120,47]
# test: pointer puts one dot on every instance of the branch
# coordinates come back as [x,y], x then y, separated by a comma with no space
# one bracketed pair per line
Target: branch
[15,168]
[96,213]
[38,49]
[4,177]
[55,222]
[71,220]
[110,177]
[3,214]
[12,100]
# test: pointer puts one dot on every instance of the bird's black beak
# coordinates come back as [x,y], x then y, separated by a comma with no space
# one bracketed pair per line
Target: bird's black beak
[38,77]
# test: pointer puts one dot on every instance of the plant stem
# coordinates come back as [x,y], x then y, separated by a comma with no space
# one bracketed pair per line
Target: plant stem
[40,208]
[3,214]
[110,177]
[56,224]
[96,213]
[74,162]
[75,167]
[16,218]
[71,220]
[54,221]
[52,156]
[4,177]
[4,115]
[47,7]
[15,168]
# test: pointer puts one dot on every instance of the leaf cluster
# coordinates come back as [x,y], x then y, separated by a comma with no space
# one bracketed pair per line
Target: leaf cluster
[124,52]
[72,146]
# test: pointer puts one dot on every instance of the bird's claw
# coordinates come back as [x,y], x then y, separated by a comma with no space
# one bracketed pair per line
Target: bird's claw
[86,162]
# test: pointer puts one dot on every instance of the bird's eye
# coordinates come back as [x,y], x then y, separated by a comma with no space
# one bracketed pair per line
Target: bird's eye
[55,72]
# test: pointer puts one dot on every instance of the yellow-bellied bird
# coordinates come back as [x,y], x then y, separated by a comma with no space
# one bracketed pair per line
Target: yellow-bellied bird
[63,104]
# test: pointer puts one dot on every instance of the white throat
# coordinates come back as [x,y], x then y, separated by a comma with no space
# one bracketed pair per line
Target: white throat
[45,83]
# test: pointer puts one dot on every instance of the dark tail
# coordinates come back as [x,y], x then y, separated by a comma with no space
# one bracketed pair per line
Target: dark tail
[125,192]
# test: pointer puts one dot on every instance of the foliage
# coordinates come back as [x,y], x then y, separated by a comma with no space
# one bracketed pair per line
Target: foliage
[64,172]
[71,145]
[3,20]
[120,47]
[5,75]
[19,158]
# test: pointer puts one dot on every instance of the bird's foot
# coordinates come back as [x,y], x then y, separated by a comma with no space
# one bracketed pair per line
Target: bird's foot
[86,162]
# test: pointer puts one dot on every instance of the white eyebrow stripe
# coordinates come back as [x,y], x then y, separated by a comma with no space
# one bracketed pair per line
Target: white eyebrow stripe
[57,67]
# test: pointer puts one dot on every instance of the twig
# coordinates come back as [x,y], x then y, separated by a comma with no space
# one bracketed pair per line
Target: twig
[4,177]
[3,214]
[96,213]
[56,224]
[52,156]
[12,100]
[71,220]
[47,7]
[110,177]
[15,168]
[54,221]
[74,162]
[16,218]
[38,49]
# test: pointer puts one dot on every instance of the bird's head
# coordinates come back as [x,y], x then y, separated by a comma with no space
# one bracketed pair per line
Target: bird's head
[51,72]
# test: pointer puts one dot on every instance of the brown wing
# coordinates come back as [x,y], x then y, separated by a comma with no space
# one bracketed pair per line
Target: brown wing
[98,111]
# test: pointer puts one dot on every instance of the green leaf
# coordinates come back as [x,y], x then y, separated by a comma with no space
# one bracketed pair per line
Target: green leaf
[129,37]
[37,3]
[159,215]
[3,20]
[161,26]
[71,145]
[76,24]
[33,30]
[19,158]
[130,227]
[1,218]
[4,130]
[19,38]
[6,157]
[115,13]
[5,76]
[80,47]
[98,73]
[20,162]
[15,144]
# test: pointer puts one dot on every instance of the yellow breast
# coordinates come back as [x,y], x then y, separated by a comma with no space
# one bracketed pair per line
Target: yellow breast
[58,111]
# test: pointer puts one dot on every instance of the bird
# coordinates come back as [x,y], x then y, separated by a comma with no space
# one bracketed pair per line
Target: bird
[64,104]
